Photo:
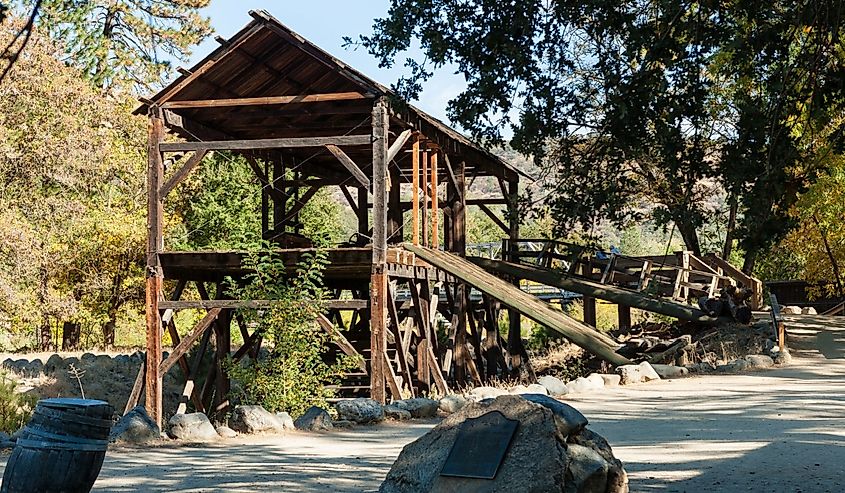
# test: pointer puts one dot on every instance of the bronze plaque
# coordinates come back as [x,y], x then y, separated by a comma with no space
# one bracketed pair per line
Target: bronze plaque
[480,446]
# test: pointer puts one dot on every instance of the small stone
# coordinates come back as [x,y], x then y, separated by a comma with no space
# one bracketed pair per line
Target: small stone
[529,389]
[701,367]
[343,423]
[420,407]
[610,379]
[452,403]
[759,361]
[783,357]
[582,384]
[553,385]
[361,410]
[790,310]
[396,413]
[809,310]
[596,380]
[670,371]
[314,419]
[226,432]
[191,427]
[286,420]
[734,366]
[135,427]
[255,419]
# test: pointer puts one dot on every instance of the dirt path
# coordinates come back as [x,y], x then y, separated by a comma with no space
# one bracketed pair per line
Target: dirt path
[780,430]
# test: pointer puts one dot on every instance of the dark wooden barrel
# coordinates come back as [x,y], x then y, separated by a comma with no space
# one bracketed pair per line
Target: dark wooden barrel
[61,449]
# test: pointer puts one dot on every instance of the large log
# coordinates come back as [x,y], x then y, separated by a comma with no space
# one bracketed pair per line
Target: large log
[595,290]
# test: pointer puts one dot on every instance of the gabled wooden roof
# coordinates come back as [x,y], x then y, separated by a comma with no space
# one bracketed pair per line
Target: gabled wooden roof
[266,59]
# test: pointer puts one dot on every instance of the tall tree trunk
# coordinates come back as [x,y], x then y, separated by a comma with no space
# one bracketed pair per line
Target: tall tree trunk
[109,328]
[71,332]
[44,336]
[837,276]
[729,233]
[749,261]
[690,237]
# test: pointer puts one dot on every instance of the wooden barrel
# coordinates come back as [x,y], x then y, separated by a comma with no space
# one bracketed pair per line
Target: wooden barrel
[61,449]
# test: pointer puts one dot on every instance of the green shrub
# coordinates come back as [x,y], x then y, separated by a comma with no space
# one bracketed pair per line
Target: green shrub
[15,408]
[295,375]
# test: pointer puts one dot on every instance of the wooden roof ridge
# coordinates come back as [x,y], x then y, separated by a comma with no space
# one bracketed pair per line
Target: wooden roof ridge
[261,19]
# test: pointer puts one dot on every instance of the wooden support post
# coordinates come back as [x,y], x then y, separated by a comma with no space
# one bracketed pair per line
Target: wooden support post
[279,203]
[520,365]
[155,211]
[394,206]
[424,199]
[363,215]
[624,312]
[378,281]
[223,339]
[415,190]
[588,301]
[435,224]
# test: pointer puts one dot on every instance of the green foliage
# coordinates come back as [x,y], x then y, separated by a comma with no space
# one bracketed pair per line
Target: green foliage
[295,374]
[125,42]
[642,109]
[15,408]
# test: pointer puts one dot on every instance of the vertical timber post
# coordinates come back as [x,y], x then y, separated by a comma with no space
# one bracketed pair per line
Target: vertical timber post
[155,210]
[435,224]
[415,190]
[363,216]
[378,281]
[516,350]
[462,301]
[624,312]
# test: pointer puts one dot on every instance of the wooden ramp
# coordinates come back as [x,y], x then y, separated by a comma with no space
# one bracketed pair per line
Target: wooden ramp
[593,289]
[579,333]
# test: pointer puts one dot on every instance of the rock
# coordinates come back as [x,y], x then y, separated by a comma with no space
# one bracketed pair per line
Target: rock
[361,410]
[701,367]
[759,361]
[54,362]
[314,419]
[809,310]
[587,470]
[255,419]
[734,366]
[88,358]
[481,393]
[596,379]
[642,372]
[790,310]
[670,371]
[568,420]
[396,413]
[420,407]
[286,420]
[553,385]
[135,427]
[452,403]
[342,423]
[226,432]
[610,379]
[529,389]
[582,384]
[34,368]
[782,357]
[537,460]
[191,427]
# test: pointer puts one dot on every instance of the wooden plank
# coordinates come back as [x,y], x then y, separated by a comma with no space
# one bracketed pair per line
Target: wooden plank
[188,390]
[395,392]
[423,374]
[153,291]
[415,190]
[435,219]
[350,165]
[400,340]
[436,372]
[288,143]
[186,343]
[137,387]
[539,311]
[182,172]
[378,278]
[297,207]
[397,145]
[254,304]
[453,178]
[349,199]
[270,100]
[341,341]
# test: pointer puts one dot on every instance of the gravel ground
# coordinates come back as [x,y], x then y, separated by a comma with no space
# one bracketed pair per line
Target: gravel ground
[777,430]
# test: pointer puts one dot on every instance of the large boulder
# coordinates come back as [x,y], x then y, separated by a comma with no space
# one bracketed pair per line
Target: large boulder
[544,455]
[314,419]
[361,410]
[135,428]
[640,373]
[583,384]
[760,361]
[420,407]
[286,420]
[255,419]
[191,427]
[670,371]
[452,403]
[396,413]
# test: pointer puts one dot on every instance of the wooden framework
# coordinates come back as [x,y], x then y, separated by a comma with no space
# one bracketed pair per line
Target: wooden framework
[304,121]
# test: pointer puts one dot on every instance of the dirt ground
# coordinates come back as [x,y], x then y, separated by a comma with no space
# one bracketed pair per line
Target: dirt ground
[778,430]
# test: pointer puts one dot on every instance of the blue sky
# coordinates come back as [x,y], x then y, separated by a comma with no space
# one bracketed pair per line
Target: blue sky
[325,23]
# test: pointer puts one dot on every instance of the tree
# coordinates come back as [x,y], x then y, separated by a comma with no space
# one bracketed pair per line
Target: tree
[663,102]
[126,41]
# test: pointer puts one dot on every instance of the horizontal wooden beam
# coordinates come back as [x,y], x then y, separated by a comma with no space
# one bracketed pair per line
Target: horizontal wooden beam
[302,98]
[216,145]
[252,304]
[406,204]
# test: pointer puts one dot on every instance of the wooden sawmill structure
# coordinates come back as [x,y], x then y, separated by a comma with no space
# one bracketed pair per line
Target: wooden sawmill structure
[304,121]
